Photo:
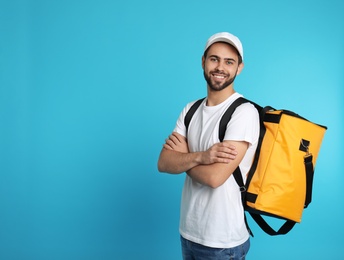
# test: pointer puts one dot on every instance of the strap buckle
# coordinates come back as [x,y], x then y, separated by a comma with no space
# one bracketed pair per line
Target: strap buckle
[308,154]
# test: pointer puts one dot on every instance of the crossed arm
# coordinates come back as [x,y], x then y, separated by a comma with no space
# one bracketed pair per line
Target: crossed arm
[211,167]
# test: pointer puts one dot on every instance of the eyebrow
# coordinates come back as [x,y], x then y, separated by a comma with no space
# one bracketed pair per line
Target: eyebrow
[226,59]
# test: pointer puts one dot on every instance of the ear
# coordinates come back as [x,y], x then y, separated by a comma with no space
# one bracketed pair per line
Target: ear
[240,68]
[203,62]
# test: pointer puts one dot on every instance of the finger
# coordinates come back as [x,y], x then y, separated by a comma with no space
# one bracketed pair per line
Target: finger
[179,137]
[230,151]
[174,139]
[228,145]
[224,155]
[170,143]
[222,160]
[227,156]
[227,148]
[168,147]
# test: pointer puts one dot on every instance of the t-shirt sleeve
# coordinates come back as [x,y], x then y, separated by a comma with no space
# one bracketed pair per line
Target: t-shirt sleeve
[244,124]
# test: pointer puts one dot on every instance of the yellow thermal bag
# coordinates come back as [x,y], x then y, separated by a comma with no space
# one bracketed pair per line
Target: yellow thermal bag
[279,183]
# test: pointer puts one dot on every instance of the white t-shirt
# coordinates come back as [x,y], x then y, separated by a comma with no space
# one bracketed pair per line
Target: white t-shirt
[215,217]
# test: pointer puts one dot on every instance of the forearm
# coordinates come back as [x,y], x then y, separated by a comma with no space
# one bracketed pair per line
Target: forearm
[171,161]
[212,175]
[176,158]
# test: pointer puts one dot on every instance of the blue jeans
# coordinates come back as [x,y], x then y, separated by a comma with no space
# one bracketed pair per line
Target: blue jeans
[194,251]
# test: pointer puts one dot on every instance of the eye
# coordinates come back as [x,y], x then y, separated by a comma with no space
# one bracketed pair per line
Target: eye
[229,62]
[213,59]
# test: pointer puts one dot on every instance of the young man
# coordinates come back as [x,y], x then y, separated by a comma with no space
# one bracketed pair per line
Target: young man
[212,224]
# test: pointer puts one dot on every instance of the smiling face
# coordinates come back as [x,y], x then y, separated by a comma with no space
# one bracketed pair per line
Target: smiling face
[221,66]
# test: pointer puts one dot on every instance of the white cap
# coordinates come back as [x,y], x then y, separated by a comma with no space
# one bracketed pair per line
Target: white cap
[228,38]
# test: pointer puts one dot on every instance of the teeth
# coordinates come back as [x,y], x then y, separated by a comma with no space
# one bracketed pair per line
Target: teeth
[219,77]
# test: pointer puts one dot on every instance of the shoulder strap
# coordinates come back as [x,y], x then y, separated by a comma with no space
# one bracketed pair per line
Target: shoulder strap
[225,118]
[238,176]
[191,112]
[222,130]
[228,115]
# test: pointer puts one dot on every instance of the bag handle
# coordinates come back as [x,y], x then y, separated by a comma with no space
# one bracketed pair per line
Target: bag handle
[284,229]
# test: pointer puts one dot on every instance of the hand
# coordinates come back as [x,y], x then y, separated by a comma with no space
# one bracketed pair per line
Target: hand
[177,143]
[219,153]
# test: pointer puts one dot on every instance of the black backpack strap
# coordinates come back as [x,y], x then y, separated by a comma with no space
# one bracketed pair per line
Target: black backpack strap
[284,229]
[228,115]
[262,111]
[191,112]
[308,160]
[239,180]
[237,173]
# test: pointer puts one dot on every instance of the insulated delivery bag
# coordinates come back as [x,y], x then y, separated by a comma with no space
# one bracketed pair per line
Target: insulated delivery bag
[279,183]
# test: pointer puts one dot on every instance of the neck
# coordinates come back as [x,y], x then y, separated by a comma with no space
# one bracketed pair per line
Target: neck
[217,97]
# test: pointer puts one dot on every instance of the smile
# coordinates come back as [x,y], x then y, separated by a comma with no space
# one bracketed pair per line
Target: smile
[218,76]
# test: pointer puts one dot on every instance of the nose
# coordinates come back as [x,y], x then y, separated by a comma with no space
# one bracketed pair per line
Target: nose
[219,66]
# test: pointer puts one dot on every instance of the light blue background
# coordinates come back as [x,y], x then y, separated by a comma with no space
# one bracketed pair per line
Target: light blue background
[89,90]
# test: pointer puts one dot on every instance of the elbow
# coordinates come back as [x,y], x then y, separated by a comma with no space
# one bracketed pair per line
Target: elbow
[163,163]
[215,182]
[164,168]
[214,185]
[161,166]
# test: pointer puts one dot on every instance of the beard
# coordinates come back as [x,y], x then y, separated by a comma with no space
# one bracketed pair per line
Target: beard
[218,86]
